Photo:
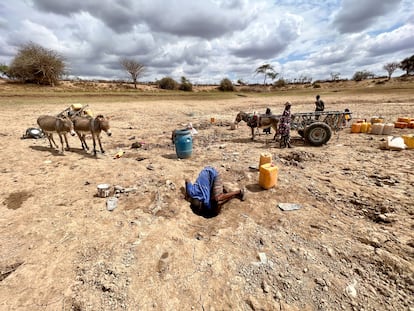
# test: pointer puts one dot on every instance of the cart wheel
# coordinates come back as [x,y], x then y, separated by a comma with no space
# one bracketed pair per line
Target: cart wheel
[318,133]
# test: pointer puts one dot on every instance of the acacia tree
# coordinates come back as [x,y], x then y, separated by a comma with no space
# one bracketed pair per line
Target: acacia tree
[408,64]
[134,68]
[34,63]
[390,68]
[268,71]
[362,75]
[335,76]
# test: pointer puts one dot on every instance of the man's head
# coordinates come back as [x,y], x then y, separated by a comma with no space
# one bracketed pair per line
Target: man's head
[288,105]
[196,204]
[317,97]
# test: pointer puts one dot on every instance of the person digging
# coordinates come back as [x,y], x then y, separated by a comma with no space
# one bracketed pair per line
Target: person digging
[207,194]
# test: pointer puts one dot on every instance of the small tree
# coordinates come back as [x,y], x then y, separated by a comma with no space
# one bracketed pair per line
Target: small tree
[34,63]
[304,79]
[335,76]
[134,68]
[3,70]
[185,85]
[390,68]
[280,83]
[226,85]
[241,82]
[362,75]
[167,83]
[268,71]
[408,64]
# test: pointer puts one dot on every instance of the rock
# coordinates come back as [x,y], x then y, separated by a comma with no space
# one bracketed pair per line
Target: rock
[136,145]
[350,289]
[330,252]
[265,287]
[263,258]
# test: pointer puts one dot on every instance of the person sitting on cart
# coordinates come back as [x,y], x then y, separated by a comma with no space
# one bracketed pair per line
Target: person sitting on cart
[207,194]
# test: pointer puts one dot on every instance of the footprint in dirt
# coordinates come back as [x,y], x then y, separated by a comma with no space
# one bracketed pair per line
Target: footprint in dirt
[162,266]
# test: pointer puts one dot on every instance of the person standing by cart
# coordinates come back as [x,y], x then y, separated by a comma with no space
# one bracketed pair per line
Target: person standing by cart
[319,106]
[284,127]
[267,130]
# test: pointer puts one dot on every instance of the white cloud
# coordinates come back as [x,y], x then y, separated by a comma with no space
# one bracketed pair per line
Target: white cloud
[398,40]
[212,39]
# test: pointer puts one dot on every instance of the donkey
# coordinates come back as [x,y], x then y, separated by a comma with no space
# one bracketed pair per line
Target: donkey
[262,121]
[61,125]
[94,126]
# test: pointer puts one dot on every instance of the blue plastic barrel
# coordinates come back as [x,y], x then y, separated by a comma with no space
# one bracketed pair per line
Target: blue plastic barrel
[183,142]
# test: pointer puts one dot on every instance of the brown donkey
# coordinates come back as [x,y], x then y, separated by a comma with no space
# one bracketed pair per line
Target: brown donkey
[94,126]
[60,125]
[260,121]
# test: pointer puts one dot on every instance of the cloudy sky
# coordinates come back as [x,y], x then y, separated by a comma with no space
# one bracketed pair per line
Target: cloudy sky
[208,40]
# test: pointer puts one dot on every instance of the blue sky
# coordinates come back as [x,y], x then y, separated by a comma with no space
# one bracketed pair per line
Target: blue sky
[209,40]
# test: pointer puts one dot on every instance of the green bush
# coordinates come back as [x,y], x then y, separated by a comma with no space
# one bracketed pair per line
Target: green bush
[280,83]
[188,87]
[362,75]
[185,85]
[226,85]
[167,83]
[36,64]
[316,86]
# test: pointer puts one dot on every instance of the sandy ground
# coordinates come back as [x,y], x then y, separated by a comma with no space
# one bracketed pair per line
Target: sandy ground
[349,247]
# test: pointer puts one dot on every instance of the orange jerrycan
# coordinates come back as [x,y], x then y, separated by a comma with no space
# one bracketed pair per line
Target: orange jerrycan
[356,127]
[268,175]
[265,157]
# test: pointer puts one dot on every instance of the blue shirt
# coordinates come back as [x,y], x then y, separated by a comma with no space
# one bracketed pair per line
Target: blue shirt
[201,189]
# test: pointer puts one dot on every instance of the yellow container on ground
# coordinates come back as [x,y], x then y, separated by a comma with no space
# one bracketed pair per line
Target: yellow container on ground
[409,140]
[265,157]
[268,175]
[364,127]
[377,120]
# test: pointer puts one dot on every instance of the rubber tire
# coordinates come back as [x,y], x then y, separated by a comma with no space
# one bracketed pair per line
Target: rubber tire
[318,133]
